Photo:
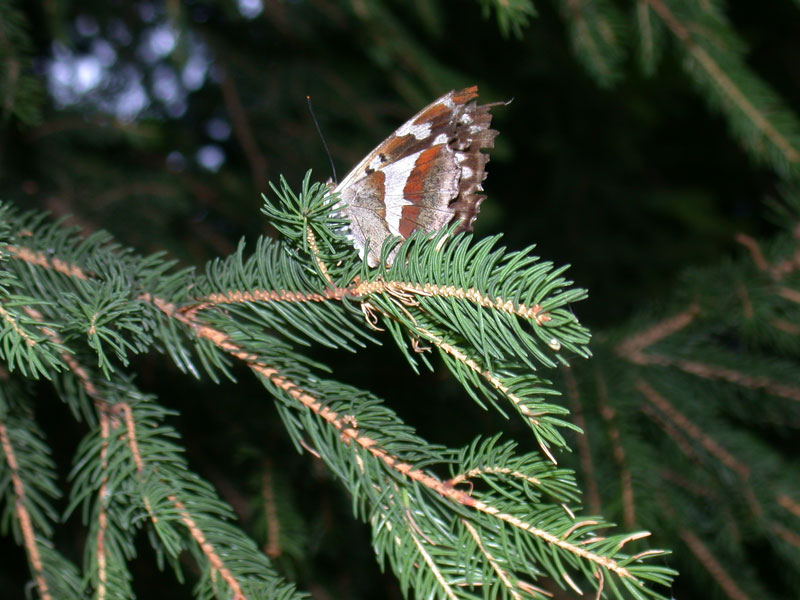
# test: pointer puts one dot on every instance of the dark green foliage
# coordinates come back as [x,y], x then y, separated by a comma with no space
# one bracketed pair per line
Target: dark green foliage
[130,474]
[641,142]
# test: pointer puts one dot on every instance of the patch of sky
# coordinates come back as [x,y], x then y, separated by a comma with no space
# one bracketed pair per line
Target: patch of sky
[250,9]
[210,157]
[218,129]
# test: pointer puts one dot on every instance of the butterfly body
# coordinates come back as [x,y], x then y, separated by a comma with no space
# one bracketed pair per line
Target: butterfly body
[424,176]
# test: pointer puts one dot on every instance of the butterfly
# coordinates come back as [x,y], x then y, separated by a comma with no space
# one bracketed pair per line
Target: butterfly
[423,177]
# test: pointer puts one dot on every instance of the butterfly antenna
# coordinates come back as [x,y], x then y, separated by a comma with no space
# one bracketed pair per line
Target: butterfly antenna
[321,137]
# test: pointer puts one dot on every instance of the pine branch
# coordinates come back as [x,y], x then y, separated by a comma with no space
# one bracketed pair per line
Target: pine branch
[690,413]
[506,314]
[474,323]
[20,92]
[153,486]
[334,414]
[755,113]
[706,391]
[28,487]
[714,57]
[597,32]
[512,15]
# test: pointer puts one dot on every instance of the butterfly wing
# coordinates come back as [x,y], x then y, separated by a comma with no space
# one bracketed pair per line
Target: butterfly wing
[424,176]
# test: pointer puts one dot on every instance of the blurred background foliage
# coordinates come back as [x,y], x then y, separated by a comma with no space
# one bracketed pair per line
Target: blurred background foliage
[163,122]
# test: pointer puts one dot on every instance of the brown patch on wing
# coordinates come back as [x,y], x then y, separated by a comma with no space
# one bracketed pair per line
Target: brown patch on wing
[410,219]
[371,193]
[465,95]
[417,188]
[435,112]
[397,147]
[438,116]
[415,184]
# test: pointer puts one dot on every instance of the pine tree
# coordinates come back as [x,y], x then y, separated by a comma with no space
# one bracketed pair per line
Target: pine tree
[165,123]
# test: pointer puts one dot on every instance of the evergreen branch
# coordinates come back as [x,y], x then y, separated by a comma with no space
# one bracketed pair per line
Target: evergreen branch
[276,291]
[498,303]
[441,580]
[349,428]
[101,521]
[513,288]
[99,276]
[684,432]
[112,544]
[75,368]
[110,576]
[607,413]
[208,549]
[311,240]
[734,361]
[20,92]
[716,372]
[724,487]
[754,111]
[597,30]
[692,430]
[501,573]
[103,484]
[650,35]
[151,483]
[633,349]
[512,15]
[326,323]
[101,302]
[242,128]
[40,259]
[480,306]
[23,516]
[230,297]
[582,441]
[706,558]
[20,345]
[634,346]
[281,287]
[488,461]
[314,210]
[405,290]
[245,572]
[27,465]
[535,411]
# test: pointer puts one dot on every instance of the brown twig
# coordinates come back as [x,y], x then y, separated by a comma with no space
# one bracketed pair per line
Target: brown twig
[214,557]
[724,82]
[102,514]
[350,435]
[692,430]
[23,516]
[243,130]
[584,450]
[634,346]
[608,413]
[273,549]
[401,289]
[725,580]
